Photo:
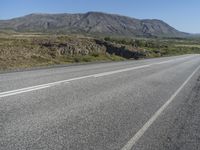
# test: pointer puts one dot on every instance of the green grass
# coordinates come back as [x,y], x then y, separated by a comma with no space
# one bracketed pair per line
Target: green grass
[188,45]
[89,58]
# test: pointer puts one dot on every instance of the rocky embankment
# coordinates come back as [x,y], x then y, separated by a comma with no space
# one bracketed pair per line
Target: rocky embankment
[30,51]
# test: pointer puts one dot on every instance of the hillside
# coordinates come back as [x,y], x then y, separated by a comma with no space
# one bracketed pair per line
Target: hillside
[91,23]
[26,50]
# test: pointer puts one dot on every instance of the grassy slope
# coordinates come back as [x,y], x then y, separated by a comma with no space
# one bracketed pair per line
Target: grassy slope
[25,51]
[31,50]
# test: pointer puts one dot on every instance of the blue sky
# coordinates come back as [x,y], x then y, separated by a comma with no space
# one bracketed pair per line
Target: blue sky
[184,15]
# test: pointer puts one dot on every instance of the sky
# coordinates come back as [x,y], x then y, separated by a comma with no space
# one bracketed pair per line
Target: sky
[184,15]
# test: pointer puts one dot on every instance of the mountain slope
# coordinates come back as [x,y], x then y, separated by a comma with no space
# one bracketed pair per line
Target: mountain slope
[91,23]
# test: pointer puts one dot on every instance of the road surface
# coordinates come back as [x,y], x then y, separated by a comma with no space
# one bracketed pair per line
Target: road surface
[151,104]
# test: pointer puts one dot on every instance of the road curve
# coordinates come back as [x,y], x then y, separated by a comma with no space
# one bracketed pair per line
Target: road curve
[148,104]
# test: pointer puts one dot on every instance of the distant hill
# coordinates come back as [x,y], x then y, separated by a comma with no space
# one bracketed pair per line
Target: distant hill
[91,23]
[195,35]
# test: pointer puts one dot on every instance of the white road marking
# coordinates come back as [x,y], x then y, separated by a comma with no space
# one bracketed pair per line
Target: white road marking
[167,61]
[21,91]
[163,62]
[145,127]
[42,86]
[118,71]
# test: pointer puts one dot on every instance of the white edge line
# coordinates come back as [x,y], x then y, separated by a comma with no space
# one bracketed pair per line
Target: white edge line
[145,127]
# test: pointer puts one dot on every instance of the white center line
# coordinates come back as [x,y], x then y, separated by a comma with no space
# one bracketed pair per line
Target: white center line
[42,86]
[145,127]
[14,92]
[119,71]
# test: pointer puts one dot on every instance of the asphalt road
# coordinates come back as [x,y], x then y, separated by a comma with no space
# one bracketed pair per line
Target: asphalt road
[151,104]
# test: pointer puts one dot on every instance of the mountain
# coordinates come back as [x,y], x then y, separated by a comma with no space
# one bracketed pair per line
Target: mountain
[91,23]
[197,35]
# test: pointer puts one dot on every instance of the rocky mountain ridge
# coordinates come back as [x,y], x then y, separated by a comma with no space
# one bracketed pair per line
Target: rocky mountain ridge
[93,23]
